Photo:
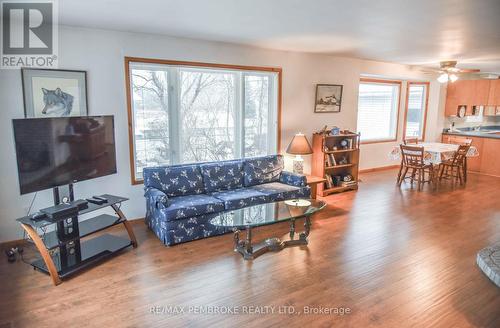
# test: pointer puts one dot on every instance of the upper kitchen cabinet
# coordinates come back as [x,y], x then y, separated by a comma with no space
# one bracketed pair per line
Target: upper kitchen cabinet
[459,93]
[482,90]
[469,93]
[494,94]
[451,100]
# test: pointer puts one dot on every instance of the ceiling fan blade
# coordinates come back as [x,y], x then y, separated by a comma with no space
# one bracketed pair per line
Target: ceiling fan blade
[429,70]
[468,70]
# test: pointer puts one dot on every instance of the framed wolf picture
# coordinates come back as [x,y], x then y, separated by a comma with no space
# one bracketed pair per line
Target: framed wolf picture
[54,93]
[328,98]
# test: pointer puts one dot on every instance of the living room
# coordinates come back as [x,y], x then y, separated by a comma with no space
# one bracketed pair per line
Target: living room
[384,252]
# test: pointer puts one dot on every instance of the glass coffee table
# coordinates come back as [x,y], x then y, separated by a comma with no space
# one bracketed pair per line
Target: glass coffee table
[265,214]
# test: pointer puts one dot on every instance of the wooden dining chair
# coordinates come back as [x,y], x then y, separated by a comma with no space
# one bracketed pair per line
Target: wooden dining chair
[454,167]
[413,159]
[406,141]
[457,140]
[410,141]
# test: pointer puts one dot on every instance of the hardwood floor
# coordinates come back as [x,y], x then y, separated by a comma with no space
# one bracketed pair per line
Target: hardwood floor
[394,257]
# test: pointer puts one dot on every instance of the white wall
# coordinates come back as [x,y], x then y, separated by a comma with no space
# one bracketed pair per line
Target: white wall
[101,54]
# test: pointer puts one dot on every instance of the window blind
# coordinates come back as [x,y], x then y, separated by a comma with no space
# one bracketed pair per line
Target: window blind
[378,110]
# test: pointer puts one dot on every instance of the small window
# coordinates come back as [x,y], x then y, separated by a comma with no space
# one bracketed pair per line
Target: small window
[378,105]
[416,109]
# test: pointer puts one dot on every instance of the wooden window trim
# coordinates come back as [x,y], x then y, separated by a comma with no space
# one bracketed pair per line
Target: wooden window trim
[408,84]
[390,82]
[128,60]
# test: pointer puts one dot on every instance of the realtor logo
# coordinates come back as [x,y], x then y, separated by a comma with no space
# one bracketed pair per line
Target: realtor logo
[29,34]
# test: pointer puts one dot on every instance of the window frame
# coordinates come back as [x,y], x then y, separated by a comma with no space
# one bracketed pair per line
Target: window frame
[128,92]
[426,104]
[389,82]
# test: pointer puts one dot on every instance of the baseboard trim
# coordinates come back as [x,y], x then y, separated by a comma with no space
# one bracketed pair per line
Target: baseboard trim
[12,243]
[485,174]
[380,168]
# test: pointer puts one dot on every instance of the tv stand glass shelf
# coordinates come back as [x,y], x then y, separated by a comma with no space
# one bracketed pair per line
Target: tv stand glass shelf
[62,250]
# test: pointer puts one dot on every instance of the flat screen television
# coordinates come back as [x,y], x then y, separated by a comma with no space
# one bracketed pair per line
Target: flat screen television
[52,152]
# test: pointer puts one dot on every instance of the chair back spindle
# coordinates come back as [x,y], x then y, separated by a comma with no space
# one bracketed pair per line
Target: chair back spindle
[460,154]
[412,156]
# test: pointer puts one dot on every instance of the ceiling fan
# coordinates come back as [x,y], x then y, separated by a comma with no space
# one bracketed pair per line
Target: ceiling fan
[449,71]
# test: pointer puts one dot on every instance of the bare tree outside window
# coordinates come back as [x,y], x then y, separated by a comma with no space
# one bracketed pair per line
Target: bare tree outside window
[256,115]
[207,116]
[150,106]
[183,114]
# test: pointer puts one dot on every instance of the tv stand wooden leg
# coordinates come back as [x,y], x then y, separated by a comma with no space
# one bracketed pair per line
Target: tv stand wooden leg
[127,225]
[49,263]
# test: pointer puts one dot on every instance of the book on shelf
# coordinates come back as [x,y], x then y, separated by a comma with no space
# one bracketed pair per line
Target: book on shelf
[333,162]
[329,181]
[348,183]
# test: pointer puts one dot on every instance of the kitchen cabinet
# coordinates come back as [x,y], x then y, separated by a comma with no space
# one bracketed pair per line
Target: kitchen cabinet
[474,163]
[488,161]
[490,158]
[494,93]
[459,93]
[469,93]
[451,100]
[481,93]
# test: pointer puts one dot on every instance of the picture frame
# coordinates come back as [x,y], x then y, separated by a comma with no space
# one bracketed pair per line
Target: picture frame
[328,98]
[54,92]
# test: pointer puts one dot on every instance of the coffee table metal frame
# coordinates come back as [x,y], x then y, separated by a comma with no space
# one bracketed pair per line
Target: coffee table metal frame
[251,251]
[244,244]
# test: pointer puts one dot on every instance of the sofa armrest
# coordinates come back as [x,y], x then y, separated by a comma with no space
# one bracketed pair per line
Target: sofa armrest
[157,197]
[293,179]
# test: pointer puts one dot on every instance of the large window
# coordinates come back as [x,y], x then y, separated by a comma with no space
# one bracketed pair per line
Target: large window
[416,109]
[378,105]
[197,112]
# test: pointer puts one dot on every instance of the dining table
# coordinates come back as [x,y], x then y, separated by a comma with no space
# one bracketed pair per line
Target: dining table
[435,152]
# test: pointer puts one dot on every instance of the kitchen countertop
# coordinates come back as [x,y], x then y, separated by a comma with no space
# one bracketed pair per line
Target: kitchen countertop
[484,132]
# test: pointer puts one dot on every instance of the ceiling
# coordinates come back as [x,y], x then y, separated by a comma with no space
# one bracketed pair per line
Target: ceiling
[420,32]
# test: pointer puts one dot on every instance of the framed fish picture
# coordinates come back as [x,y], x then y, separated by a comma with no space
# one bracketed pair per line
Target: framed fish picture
[54,92]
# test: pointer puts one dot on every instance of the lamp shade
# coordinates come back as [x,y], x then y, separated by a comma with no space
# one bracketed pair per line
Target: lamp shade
[299,145]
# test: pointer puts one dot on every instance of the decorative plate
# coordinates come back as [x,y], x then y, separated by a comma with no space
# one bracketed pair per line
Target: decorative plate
[461,111]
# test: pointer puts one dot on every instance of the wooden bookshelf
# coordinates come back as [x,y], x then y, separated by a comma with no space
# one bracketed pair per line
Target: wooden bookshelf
[323,166]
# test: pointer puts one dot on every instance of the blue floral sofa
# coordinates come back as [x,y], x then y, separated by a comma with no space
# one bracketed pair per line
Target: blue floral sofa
[181,199]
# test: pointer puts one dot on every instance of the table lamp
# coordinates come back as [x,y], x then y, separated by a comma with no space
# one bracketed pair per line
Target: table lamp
[299,146]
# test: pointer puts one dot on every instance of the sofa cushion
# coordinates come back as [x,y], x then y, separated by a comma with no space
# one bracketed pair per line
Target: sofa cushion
[183,230]
[222,175]
[264,169]
[277,191]
[187,206]
[175,180]
[238,198]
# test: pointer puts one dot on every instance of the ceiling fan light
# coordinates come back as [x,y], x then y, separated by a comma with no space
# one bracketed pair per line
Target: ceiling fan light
[453,77]
[443,78]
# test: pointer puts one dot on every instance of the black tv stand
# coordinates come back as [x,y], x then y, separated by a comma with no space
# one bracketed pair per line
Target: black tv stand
[63,252]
